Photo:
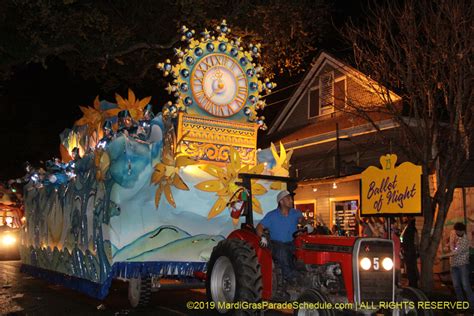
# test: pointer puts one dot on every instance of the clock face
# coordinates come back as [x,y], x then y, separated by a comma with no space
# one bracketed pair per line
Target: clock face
[219,85]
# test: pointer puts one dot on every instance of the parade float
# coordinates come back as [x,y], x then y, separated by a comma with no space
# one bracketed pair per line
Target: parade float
[157,205]
[179,194]
[11,219]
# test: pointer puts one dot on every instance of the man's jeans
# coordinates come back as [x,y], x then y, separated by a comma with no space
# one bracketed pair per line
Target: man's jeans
[282,253]
[460,276]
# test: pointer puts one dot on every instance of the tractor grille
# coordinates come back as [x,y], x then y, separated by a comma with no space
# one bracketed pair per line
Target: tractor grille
[376,284]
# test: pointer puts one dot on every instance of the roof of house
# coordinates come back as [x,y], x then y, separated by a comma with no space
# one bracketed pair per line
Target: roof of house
[323,59]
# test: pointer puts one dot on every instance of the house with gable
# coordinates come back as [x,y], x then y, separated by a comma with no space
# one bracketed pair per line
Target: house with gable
[332,143]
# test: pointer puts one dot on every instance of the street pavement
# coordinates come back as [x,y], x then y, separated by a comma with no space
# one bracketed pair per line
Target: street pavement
[21,294]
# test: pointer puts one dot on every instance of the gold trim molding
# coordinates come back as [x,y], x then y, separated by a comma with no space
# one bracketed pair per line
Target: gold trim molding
[209,139]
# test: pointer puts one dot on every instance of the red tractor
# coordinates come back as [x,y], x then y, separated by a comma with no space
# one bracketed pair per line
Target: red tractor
[350,274]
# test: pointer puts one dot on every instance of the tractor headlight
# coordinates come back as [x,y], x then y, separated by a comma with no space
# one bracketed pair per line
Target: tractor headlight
[365,263]
[387,263]
[8,240]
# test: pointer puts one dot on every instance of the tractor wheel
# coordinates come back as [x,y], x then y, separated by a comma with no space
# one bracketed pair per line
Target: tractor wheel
[233,276]
[139,291]
[409,297]
[313,297]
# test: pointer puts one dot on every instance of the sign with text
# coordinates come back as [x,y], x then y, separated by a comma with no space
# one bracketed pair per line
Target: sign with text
[391,190]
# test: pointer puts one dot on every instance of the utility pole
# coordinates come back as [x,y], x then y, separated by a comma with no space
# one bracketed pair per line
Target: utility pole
[338,154]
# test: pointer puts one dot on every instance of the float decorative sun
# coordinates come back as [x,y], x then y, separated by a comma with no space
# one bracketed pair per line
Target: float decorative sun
[132,104]
[225,186]
[166,173]
[93,117]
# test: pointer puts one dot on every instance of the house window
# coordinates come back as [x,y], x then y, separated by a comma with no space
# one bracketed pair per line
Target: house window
[326,82]
[314,102]
[340,93]
[330,94]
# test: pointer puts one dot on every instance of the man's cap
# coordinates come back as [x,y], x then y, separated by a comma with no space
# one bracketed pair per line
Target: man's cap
[124,114]
[281,195]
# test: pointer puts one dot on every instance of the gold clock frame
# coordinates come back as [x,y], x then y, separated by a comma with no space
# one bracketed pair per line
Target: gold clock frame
[192,79]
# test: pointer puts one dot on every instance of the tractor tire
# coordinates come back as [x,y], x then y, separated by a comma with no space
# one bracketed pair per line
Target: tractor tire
[233,275]
[139,292]
[313,296]
[410,294]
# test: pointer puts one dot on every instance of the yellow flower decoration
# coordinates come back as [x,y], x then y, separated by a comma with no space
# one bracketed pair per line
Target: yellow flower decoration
[282,165]
[132,104]
[166,173]
[102,163]
[93,117]
[225,186]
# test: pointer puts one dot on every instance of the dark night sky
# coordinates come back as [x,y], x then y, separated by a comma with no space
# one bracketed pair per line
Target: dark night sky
[36,104]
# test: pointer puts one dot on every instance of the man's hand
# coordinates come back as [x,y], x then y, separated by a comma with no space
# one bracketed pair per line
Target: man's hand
[263,241]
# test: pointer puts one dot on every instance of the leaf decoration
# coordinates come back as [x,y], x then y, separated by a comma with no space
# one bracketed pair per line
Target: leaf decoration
[277,185]
[209,186]
[158,195]
[184,160]
[258,189]
[157,175]
[258,169]
[169,195]
[179,183]
[256,206]
[217,208]
[211,170]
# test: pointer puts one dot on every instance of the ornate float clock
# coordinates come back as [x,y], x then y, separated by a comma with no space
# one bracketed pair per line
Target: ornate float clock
[219,85]
[218,95]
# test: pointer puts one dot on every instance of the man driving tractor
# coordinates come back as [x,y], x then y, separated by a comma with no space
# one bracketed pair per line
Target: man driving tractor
[282,223]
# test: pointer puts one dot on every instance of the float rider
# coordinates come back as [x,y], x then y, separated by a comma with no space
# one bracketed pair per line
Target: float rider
[282,223]
[144,125]
[108,135]
[126,124]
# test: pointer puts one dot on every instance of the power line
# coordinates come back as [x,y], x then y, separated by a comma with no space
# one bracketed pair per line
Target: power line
[287,87]
[279,101]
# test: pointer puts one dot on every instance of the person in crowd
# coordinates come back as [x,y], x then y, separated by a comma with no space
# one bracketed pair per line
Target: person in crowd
[321,227]
[378,228]
[459,260]
[395,237]
[337,230]
[409,245]
[365,227]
